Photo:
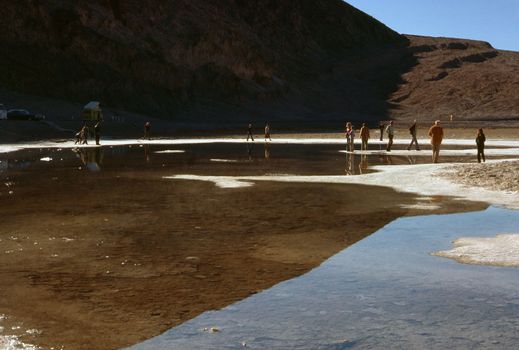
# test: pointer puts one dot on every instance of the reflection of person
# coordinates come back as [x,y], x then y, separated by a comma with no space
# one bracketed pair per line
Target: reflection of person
[436,135]
[147,127]
[249,133]
[97,131]
[147,153]
[350,164]
[412,131]
[480,142]
[363,166]
[390,131]
[381,127]
[350,137]
[412,160]
[250,148]
[364,136]
[267,151]
[267,132]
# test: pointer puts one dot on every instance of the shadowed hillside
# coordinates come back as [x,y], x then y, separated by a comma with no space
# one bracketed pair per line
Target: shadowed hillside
[199,60]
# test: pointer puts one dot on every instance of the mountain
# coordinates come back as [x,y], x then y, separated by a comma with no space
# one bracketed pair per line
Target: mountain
[468,79]
[228,62]
[203,59]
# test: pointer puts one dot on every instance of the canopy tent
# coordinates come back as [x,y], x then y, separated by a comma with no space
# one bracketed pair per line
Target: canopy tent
[92,111]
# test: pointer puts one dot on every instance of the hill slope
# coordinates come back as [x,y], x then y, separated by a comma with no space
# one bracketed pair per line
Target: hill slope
[466,78]
[202,59]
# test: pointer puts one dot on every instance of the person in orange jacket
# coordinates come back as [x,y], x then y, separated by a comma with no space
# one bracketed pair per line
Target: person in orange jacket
[436,135]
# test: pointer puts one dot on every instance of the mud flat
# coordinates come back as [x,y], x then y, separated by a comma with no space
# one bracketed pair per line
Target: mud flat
[107,258]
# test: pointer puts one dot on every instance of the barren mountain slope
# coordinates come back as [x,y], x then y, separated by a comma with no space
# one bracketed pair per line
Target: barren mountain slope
[198,59]
[469,79]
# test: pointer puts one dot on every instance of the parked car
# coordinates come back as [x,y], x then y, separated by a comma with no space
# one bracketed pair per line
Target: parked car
[23,114]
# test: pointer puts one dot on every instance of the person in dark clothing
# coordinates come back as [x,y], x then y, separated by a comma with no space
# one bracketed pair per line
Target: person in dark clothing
[480,142]
[249,132]
[84,135]
[147,127]
[381,127]
[97,132]
[412,131]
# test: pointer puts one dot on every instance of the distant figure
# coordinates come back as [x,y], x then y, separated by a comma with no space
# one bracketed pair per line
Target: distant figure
[480,142]
[78,137]
[381,127]
[451,118]
[249,133]
[390,131]
[267,132]
[84,135]
[97,131]
[147,127]
[412,131]
[436,135]
[350,137]
[364,136]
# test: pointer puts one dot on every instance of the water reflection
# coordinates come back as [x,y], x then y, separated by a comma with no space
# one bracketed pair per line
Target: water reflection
[363,166]
[91,158]
[147,155]
[250,149]
[386,291]
[267,151]
[350,164]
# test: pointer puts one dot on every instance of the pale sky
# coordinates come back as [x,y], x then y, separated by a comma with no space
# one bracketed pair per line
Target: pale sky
[495,21]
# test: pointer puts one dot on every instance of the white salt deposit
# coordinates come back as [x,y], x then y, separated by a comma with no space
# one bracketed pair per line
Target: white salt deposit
[420,206]
[8,342]
[418,178]
[219,181]
[501,250]
[443,152]
[223,160]
[302,141]
[170,151]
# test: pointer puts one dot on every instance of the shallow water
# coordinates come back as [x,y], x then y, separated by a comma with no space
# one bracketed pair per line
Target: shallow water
[215,159]
[386,291]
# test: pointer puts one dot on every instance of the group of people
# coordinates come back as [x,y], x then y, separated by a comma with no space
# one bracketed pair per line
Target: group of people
[83,133]
[435,134]
[250,134]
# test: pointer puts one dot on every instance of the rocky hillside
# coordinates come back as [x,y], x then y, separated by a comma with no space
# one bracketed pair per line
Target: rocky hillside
[468,79]
[203,59]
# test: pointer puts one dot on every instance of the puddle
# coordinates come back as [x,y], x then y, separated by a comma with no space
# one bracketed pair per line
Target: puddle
[385,291]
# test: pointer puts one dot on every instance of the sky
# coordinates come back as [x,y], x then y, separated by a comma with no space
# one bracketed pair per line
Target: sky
[495,21]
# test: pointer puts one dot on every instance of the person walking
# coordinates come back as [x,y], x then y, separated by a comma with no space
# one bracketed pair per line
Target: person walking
[480,142]
[390,131]
[412,131]
[84,135]
[249,132]
[364,136]
[350,137]
[267,132]
[147,128]
[436,135]
[97,132]
[381,127]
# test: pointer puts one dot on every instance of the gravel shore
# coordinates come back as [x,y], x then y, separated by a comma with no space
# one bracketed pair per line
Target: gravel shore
[502,176]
